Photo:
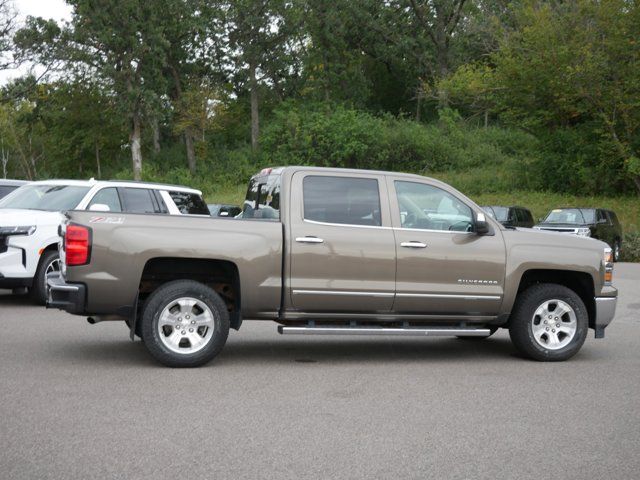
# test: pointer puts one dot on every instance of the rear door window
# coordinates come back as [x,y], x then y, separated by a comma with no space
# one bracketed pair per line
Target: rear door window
[139,200]
[602,218]
[343,200]
[109,197]
[189,203]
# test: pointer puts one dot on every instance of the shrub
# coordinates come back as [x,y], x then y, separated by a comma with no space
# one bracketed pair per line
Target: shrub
[630,247]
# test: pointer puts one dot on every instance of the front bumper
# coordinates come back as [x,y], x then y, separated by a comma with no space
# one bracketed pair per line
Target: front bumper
[70,297]
[605,311]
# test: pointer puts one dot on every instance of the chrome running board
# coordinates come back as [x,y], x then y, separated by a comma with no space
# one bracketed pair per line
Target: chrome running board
[393,331]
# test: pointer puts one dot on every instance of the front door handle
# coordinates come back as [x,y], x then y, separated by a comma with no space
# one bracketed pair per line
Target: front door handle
[413,244]
[309,239]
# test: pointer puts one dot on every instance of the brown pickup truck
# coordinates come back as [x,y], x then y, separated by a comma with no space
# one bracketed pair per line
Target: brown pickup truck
[332,251]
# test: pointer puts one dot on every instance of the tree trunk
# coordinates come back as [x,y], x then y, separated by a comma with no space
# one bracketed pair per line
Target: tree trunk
[443,70]
[486,118]
[255,119]
[134,142]
[156,135]
[636,180]
[191,153]
[99,172]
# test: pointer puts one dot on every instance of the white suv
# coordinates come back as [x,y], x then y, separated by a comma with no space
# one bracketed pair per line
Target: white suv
[30,215]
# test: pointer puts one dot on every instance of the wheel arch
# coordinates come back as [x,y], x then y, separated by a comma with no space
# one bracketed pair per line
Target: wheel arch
[580,282]
[220,275]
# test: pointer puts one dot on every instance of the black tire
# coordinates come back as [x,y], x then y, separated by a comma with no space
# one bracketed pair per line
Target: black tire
[492,330]
[38,288]
[521,323]
[162,298]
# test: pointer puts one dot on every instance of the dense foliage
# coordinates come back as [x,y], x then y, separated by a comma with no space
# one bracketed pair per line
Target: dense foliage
[542,95]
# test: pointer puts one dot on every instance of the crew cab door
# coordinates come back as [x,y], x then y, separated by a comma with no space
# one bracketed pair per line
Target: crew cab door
[341,245]
[443,267]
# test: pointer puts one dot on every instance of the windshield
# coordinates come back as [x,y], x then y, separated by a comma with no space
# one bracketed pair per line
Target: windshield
[499,213]
[570,215]
[52,198]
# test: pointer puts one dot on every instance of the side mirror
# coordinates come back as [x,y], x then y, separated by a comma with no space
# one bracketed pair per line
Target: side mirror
[482,227]
[99,207]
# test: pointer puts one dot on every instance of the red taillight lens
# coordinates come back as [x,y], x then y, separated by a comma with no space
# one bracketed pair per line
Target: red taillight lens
[77,245]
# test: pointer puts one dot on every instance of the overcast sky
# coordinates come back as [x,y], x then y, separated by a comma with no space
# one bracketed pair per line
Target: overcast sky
[56,9]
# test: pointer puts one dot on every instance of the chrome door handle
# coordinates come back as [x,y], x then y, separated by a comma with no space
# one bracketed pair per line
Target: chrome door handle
[413,245]
[309,239]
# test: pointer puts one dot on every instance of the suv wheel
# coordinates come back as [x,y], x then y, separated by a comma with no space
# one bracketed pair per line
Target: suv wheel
[184,324]
[549,322]
[49,262]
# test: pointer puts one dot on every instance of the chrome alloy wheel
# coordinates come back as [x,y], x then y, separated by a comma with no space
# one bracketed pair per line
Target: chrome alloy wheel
[186,325]
[554,324]
[54,266]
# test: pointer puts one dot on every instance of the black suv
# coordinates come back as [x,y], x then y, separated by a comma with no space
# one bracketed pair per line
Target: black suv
[587,222]
[511,216]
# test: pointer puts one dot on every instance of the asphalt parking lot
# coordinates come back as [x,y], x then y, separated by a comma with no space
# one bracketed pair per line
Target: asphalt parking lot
[82,401]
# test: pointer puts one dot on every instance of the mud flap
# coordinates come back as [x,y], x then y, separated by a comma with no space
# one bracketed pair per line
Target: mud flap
[133,319]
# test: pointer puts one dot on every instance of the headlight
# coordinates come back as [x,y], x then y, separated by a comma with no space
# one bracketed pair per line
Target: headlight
[583,232]
[25,230]
[608,266]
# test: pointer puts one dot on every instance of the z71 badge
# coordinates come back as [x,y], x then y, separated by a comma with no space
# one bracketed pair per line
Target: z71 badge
[113,220]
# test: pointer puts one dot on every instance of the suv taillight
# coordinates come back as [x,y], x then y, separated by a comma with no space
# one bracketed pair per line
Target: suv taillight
[77,245]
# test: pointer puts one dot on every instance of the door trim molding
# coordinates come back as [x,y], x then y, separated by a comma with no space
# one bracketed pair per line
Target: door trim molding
[449,295]
[343,293]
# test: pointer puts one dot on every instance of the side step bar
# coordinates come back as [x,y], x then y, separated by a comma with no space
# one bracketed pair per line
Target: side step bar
[394,331]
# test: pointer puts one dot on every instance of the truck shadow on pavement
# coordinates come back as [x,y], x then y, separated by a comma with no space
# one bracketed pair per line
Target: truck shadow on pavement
[364,351]
[259,352]
[250,353]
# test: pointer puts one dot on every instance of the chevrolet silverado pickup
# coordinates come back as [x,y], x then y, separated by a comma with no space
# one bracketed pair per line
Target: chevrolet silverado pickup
[334,251]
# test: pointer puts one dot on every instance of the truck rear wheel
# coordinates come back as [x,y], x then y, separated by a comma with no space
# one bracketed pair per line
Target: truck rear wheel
[184,324]
[549,322]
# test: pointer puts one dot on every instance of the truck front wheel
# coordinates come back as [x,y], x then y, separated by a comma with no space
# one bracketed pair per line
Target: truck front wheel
[549,322]
[184,324]
[49,263]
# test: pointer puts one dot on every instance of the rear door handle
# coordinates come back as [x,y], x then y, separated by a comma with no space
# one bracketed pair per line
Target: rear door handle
[413,244]
[309,239]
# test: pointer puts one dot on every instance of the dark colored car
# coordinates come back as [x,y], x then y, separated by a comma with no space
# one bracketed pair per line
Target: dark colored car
[586,222]
[223,210]
[511,216]
[8,186]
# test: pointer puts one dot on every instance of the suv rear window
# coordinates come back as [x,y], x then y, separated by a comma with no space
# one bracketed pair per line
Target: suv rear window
[344,200]
[189,203]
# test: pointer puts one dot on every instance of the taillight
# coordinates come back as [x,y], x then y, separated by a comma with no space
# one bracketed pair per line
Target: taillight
[77,245]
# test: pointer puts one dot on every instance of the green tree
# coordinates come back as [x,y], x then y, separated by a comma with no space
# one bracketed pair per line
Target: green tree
[258,33]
